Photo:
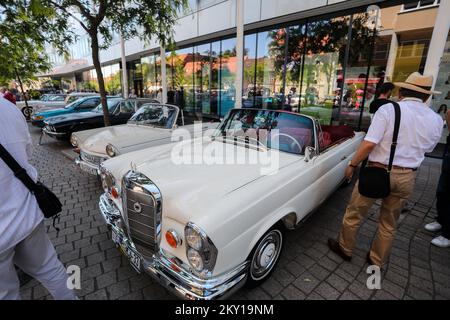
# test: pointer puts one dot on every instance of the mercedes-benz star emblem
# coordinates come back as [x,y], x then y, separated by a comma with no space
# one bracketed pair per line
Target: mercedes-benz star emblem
[137,207]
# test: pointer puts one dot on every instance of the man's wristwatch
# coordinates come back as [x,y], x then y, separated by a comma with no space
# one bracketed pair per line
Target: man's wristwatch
[351,165]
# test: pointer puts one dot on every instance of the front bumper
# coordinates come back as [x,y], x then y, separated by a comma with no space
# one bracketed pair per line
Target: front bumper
[56,135]
[170,271]
[88,167]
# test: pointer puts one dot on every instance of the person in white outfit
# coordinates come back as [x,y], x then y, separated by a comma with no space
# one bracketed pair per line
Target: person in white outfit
[23,239]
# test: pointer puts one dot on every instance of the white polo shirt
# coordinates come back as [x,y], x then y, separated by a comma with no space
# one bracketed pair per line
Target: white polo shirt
[19,211]
[420,131]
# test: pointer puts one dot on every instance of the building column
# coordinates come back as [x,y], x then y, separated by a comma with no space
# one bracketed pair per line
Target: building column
[124,68]
[163,75]
[438,40]
[239,52]
[391,58]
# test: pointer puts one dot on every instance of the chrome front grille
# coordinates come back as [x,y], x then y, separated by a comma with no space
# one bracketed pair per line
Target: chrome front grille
[90,158]
[142,206]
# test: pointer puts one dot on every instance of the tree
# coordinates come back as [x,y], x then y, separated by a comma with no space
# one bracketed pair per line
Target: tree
[25,29]
[101,18]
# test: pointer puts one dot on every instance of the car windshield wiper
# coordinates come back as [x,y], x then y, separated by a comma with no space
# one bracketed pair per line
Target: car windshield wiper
[243,141]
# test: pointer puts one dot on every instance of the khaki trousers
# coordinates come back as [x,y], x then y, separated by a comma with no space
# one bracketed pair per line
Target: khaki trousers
[402,185]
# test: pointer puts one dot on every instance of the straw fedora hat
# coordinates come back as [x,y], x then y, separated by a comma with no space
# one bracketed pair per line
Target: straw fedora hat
[419,83]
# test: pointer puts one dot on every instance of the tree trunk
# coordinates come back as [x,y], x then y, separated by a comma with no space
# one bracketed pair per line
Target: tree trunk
[21,89]
[101,81]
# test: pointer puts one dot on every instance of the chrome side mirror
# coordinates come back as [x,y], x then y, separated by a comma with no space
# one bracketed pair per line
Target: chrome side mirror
[310,152]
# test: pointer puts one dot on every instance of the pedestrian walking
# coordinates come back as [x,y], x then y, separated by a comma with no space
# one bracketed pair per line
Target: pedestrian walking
[384,96]
[442,222]
[23,239]
[419,131]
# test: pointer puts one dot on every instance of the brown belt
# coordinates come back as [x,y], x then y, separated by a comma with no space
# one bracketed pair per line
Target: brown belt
[384,166]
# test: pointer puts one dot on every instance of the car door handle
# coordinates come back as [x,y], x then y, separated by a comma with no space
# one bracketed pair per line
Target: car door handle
[343,158]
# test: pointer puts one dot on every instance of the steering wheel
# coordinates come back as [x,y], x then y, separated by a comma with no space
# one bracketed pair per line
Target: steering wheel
[293,144]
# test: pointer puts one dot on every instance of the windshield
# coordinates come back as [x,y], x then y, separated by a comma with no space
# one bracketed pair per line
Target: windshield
[288,132]
[74,103]
[111,106]
[157,115]
[56,98]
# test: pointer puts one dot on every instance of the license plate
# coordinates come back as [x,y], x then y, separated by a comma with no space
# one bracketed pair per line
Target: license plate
[88,169]
[134,256]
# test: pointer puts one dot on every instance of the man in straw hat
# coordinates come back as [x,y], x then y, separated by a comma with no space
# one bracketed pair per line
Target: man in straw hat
[420,131]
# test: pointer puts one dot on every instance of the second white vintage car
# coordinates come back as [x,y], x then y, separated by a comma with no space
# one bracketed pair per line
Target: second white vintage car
[204,229]
[152,125]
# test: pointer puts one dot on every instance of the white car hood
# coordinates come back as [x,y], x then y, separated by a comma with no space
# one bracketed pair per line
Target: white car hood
[128,137]
[120,137]
[188,189]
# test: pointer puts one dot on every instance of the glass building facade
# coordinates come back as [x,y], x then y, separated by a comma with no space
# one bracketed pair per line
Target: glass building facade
[328,67]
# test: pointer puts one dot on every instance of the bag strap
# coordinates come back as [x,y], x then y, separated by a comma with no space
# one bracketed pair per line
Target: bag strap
[395,136]
[19,172]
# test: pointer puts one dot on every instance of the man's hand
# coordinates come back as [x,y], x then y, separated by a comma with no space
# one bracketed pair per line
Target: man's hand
[349,173]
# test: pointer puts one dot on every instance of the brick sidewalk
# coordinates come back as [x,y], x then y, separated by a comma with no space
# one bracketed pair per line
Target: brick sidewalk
[307,269]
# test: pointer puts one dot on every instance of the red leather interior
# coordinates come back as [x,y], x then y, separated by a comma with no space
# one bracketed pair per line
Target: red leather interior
[334,134]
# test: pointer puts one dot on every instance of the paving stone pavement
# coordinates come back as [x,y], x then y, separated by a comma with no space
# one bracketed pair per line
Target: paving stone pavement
[307,269]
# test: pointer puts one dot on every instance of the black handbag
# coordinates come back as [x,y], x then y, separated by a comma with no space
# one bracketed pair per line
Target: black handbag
[48,202]
[375,182]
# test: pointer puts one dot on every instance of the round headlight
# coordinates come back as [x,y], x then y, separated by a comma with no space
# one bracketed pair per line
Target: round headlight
[74,141]
[195,259]
[111,151]
[108,181]
[193,239]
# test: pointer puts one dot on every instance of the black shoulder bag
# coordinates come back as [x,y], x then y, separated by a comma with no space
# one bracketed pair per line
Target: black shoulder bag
[375,182]
[46,199]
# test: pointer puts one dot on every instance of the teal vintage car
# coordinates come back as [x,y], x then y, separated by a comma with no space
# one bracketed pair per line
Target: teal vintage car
[80,105]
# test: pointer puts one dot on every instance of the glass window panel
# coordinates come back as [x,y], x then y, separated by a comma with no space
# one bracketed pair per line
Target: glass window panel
[322,72]
[248,90]
[202,69]
[359,87]
[411,5]
[294,65]
[183,80]
[150,77]
[214,78]
[269,69]
[228,69]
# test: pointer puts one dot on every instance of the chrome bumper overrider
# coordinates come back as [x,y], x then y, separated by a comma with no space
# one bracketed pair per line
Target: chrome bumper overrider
[168,270]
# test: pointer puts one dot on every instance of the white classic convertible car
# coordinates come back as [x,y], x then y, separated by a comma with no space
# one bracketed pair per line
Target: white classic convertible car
[204,230]
[151,125]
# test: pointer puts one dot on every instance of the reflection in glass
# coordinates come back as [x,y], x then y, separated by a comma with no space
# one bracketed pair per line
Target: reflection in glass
[183,79]
[228,69]
[322,72]
[294,65]
[150,76]
[248,90]
[269,69]
[214,78]
[202,70]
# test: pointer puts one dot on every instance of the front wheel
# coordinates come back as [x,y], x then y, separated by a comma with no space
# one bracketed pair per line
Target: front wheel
[27,112]
[265,256]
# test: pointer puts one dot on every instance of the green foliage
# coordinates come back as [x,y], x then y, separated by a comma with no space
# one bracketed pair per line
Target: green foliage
[103,19]
[26,27]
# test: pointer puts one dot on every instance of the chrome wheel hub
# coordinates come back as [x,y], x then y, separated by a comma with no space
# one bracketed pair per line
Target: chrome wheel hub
[266,255]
